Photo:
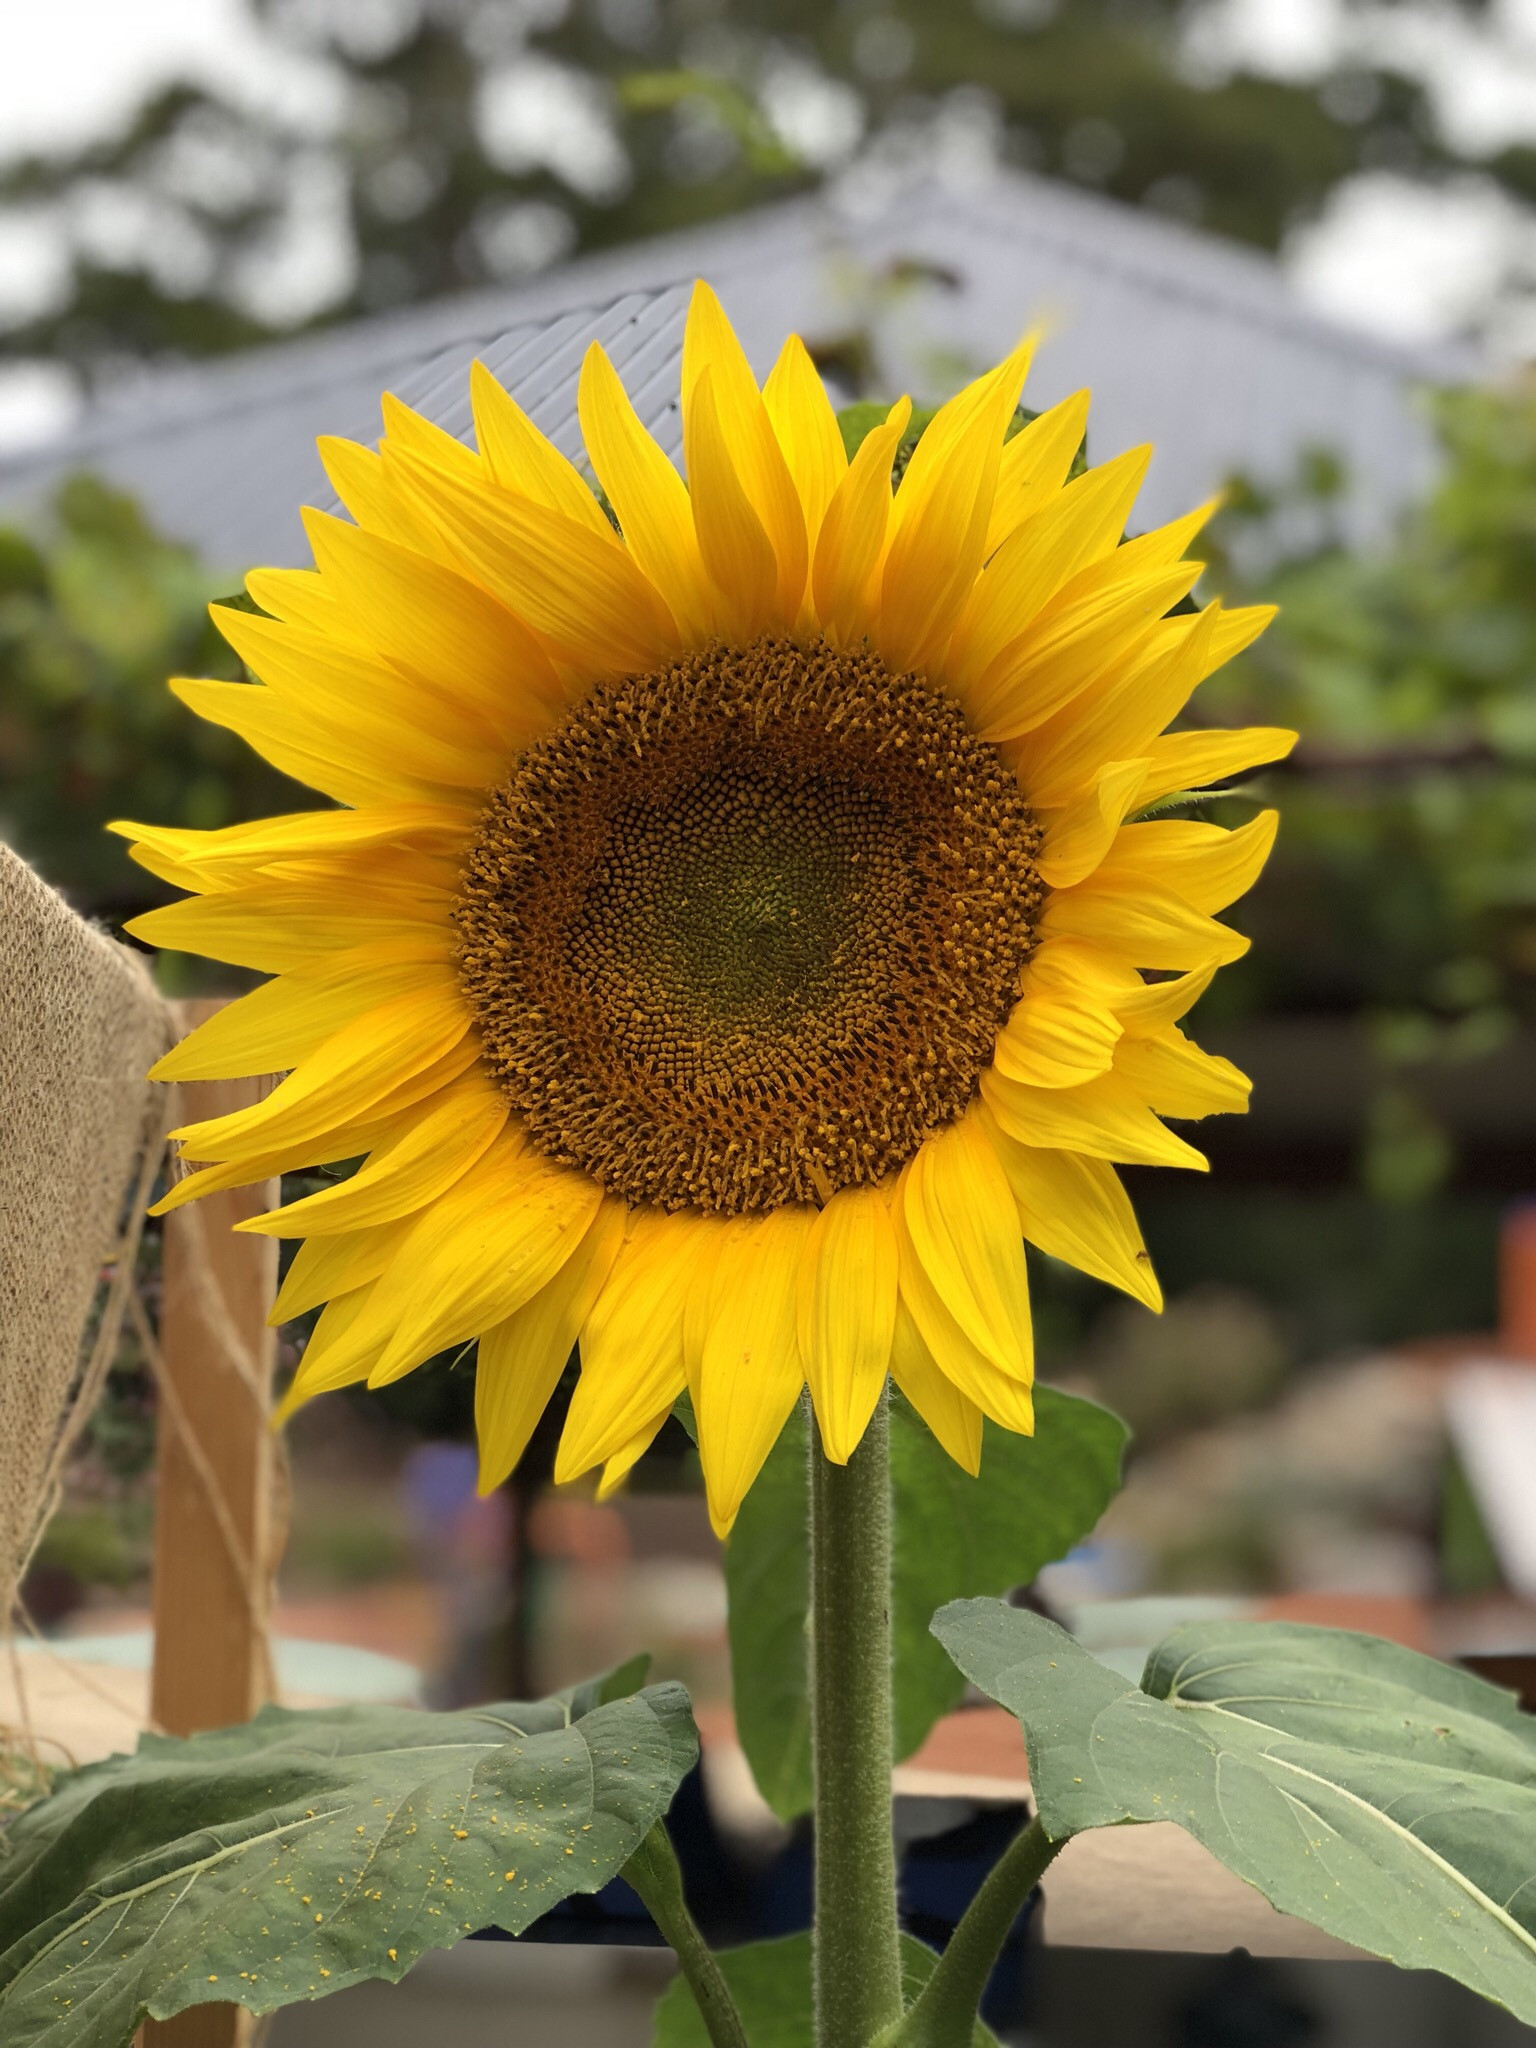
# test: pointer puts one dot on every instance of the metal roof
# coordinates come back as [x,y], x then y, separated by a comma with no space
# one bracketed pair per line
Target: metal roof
[1191,343]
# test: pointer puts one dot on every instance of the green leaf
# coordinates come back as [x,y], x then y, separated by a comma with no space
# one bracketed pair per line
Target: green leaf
[855,422]
[771,1984]
[1036,1497]
[768,1579]
[307,1851]
[1385,1797]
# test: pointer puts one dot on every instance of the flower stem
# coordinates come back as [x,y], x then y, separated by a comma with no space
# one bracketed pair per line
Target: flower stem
[945,2015]
[857,1959]
[653,1871]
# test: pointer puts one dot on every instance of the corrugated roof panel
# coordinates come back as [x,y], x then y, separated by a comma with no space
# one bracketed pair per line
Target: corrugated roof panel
[230,468]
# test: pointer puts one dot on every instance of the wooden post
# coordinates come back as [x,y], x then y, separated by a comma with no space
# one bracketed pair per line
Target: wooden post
[214,1560]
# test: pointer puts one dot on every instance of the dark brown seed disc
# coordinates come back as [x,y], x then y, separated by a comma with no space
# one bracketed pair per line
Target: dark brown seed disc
[742,931]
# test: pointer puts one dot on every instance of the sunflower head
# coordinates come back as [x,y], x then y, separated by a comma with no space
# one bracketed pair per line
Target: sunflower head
[732,932]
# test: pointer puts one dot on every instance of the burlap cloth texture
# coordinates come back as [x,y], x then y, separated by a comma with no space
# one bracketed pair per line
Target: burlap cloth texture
[81,1132]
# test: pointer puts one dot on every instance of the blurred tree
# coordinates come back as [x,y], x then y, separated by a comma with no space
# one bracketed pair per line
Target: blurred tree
[480,140]
[95,612]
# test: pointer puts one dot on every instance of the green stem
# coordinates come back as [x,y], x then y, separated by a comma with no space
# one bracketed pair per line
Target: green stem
[654,1873]
[857,1957]
[945,2015]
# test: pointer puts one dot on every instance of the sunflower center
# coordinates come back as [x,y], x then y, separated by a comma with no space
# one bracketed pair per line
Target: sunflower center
[742,931]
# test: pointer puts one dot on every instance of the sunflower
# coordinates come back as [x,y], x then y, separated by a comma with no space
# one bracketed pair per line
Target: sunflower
[732,933]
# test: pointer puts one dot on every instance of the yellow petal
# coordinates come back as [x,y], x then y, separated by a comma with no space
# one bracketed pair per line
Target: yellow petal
[1177,1078]
[1073,1207]
[941,514]
[331,1359]
[806,426]
[1034,466]
[483,1249]
[522,459]
[373,709]
[327,1266]
[1075,965]
[284,1021]
[735,546]
[350,767]
[581,590]
[412,433]
[1206,865]
[749,1372]
[954,1419]
[373,496]
[618,1468]
[1057,1038]
[213,1180]
[1069,648]
[1165,544]
[710,346]
[1001,1395]
[846,1310]
[1120,721]
[632,1342]
[963,1226]
[853,533]
[1150,926]
[1079,526]
[235,853]
[1154,1005]
[351,1072]
[415,1165]
[1105,1118]
[1078,836]
[272,927]
[649,497]
[344,1140]
[1194,760]
[299,598]
[468,650]
[521,1358]
[423,1086]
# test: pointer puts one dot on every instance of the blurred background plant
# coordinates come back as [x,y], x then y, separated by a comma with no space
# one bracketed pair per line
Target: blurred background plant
[1404,888]
[96,611]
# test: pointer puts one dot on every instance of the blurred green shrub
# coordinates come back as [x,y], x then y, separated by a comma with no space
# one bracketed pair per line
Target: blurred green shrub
[347,1542]
[1405,878]
[1403,887]
[96,610]
[99,1543]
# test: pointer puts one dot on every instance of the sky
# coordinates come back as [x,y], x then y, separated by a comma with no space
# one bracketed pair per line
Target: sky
[74,68]
[1387,255]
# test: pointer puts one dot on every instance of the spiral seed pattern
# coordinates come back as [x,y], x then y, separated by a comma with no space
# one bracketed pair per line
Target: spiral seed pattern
[742,931]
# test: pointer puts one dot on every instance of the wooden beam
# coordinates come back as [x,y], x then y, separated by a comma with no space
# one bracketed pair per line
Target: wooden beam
[215,1549]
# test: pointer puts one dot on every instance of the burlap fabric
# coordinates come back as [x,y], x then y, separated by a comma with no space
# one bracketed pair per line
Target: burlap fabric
[80,1134]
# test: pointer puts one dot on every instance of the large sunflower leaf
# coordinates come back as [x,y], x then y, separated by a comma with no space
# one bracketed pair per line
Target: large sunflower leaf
[1385,1797]
[770,1982]
[953,1535]
[306,1851]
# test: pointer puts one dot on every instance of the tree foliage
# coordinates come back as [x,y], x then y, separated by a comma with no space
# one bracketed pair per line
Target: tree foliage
[96,611]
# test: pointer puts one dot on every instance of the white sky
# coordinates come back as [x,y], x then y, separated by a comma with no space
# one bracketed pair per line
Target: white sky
[74,68]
